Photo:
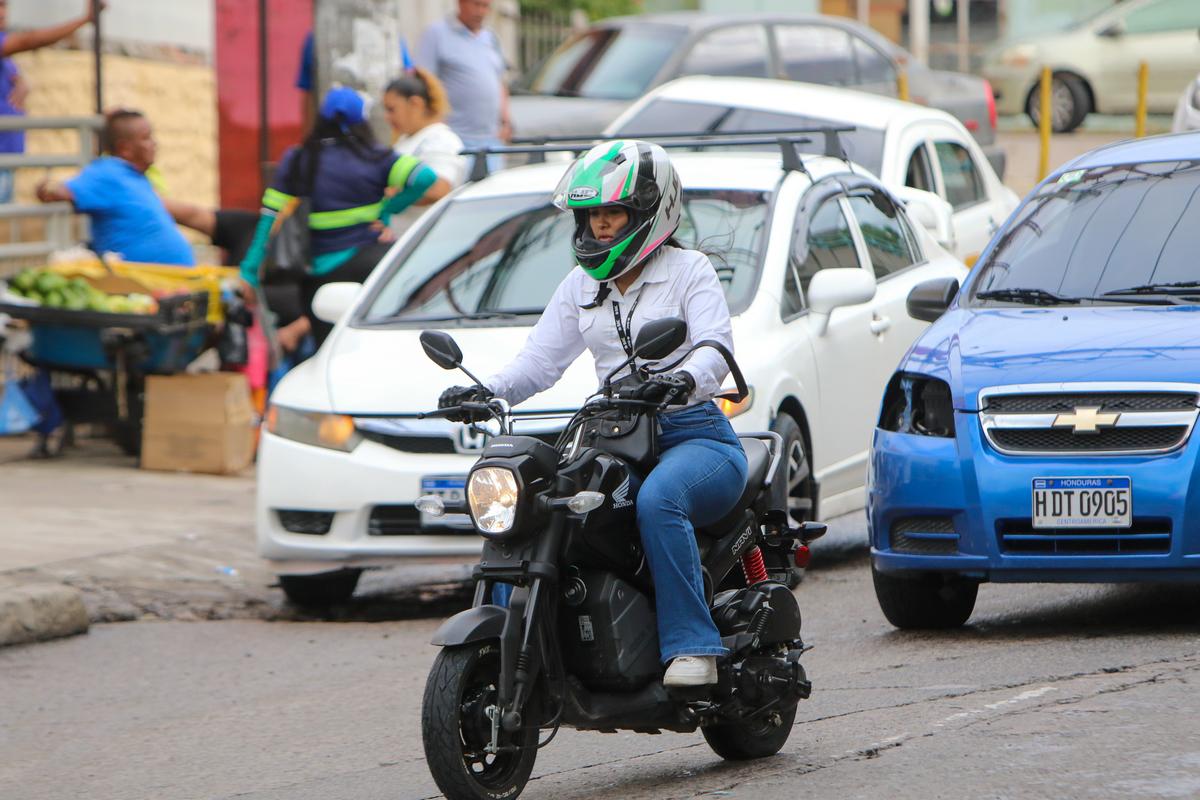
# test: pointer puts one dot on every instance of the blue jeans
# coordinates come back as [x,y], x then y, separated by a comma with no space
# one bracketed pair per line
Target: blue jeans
[699,477]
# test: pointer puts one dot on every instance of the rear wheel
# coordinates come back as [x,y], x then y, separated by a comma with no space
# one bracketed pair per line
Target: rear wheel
[325,589]
[800,501]
[758,738]
[930,601]
[1070,102]
[456,729]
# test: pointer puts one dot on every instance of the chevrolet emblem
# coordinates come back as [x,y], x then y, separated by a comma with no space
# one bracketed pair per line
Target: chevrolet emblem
[1086,420]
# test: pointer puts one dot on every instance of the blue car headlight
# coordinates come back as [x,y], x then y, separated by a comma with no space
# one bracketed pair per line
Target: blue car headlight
[919,405]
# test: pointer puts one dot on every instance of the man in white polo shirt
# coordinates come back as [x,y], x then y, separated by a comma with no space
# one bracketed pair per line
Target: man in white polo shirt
[466,57]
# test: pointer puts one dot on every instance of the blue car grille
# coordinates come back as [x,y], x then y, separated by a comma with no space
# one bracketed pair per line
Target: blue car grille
[1052,439]
[1106,401]
[931,536]
[1147,535]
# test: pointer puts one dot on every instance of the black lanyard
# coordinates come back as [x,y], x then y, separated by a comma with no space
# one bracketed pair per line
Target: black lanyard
[625,331]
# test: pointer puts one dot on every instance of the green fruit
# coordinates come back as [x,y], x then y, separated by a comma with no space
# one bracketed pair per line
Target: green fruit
[54,299]
[25,280]
[75,303]
[49,282]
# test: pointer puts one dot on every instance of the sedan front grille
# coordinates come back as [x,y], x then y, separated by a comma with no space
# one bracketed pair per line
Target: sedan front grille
[1147,535]
[411,444]
[312,523]
[1125,439]
[930,536]
[1089,418]
[1105,401]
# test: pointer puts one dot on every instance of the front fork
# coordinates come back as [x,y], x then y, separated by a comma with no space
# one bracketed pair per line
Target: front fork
[528,639]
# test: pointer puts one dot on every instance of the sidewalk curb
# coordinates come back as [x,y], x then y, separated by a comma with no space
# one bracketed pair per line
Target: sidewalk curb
[39,612]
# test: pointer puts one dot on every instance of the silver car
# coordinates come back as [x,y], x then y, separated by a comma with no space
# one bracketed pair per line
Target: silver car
[595,74]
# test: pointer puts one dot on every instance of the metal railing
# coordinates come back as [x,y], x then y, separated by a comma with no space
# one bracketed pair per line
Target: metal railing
[60,218]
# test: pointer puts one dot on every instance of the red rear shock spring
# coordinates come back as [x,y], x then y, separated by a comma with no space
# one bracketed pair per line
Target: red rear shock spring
[753,566]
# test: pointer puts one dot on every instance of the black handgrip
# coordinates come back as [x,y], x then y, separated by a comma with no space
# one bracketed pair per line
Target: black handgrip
[734,370]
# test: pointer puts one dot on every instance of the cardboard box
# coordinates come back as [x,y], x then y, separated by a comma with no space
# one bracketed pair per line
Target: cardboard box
[198,423]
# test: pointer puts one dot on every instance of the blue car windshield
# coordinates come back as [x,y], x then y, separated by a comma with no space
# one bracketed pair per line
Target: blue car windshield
[503,257]
[1100,230]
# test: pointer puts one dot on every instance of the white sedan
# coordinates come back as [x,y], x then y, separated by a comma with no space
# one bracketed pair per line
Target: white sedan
[906,145]
[817,262]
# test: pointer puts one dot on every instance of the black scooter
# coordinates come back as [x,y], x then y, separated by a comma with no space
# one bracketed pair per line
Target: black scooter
[577,644]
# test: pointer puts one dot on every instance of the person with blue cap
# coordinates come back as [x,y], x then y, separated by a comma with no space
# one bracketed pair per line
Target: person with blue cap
[354,186]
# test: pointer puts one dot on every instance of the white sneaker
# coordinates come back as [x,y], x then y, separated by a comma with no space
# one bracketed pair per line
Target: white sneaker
[691,671]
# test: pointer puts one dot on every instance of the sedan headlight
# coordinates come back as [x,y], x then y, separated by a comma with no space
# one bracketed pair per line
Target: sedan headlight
[492,496]
[334,431]
[918,404]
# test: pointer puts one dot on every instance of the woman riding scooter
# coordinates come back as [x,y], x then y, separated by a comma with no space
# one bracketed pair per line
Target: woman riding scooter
[626,199]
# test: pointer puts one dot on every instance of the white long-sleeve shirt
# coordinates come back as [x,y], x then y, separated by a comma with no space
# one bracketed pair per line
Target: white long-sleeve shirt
[674,283]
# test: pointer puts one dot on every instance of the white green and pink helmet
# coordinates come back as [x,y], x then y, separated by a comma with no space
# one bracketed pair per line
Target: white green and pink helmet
[635,175]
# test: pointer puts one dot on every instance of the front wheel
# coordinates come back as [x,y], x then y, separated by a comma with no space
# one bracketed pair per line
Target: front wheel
[456,728]
[759,738]
[925,601]
[1069,102]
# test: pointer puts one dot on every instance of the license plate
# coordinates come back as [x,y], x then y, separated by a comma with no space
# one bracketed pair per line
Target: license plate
[453,491]
[1082,503]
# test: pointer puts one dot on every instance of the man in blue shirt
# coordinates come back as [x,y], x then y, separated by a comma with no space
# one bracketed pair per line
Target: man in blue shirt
[466,57]
[128,217]
[13,88]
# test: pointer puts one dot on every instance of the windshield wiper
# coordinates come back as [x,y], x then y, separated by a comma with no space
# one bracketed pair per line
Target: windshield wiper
[1037,297]
[1159,288]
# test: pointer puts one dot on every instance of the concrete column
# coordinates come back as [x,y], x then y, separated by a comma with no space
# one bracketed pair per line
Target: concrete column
[918,29]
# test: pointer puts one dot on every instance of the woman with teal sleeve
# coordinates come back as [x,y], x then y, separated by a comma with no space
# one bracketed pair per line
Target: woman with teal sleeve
[352,184]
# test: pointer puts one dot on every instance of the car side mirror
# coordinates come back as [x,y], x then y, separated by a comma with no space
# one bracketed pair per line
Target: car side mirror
[659,338]
[931,212]
[834,288]
[333,300]
[1114,31]
[929,300]
[441,349]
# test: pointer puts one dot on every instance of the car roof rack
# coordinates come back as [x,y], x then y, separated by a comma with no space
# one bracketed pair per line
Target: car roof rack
[786,139]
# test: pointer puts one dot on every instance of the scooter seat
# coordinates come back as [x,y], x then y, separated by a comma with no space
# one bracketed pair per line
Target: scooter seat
[758,460]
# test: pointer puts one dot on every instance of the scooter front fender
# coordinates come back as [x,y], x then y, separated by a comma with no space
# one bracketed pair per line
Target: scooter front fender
[473,625]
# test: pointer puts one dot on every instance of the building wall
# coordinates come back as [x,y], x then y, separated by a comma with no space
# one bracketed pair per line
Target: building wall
[179,100]
[184,24]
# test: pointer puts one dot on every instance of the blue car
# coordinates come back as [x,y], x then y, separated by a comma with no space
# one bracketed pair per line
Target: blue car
[1040,429]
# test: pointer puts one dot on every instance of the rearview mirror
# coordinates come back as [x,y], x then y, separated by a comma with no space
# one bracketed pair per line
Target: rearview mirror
[659,338]
[930,212]
[333,300]
[441,349]
[834,288]
[929,300]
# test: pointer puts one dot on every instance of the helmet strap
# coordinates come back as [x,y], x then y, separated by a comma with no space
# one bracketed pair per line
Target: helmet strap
[601,295]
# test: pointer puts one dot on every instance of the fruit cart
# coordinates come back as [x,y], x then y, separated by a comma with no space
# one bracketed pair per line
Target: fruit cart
[99,328]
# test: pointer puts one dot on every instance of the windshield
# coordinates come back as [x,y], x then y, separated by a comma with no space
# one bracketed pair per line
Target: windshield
[606,63]
[501,257]
[1098,231]
[864,146]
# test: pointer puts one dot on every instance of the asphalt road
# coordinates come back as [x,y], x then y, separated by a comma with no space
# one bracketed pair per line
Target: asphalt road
[1052,691]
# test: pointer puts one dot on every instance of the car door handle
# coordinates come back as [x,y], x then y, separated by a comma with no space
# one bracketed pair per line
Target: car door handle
[880,324]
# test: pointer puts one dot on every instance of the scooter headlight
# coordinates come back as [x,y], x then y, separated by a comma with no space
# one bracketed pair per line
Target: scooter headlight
[492,495]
